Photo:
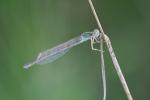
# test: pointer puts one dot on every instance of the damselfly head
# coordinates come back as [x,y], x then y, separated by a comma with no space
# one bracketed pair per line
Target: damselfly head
[96,33]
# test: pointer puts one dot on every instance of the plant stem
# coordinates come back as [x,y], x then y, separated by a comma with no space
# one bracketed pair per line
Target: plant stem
[112,54]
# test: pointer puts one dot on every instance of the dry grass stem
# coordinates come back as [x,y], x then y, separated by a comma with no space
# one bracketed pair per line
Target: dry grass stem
[112,54]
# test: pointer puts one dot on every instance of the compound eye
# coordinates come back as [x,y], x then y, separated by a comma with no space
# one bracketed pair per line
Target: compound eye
[96,32]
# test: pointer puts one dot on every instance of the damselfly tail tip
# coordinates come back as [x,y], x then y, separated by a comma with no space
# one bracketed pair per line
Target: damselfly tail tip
[27,66]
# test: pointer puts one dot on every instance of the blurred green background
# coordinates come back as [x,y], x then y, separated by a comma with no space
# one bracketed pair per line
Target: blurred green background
[30,26]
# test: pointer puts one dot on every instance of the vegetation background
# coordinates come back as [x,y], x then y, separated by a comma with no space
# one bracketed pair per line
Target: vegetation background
[30,26]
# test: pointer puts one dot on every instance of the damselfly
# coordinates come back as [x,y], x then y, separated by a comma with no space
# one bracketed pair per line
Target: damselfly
[52,54]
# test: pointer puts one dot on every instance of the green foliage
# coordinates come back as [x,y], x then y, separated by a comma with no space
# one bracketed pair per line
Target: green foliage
[30,26]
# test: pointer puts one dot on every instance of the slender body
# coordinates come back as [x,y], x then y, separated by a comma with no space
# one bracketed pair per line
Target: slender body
[58,51]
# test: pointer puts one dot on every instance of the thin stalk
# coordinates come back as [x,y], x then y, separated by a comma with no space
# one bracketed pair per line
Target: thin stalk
[112,54]
[103,69]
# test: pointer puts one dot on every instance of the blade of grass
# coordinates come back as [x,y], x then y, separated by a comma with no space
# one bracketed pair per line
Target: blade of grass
[112,54]
[103,69]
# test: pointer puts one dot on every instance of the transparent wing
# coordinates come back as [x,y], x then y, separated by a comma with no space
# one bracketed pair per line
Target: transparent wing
[53,57]
[52,54]
[49,59]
